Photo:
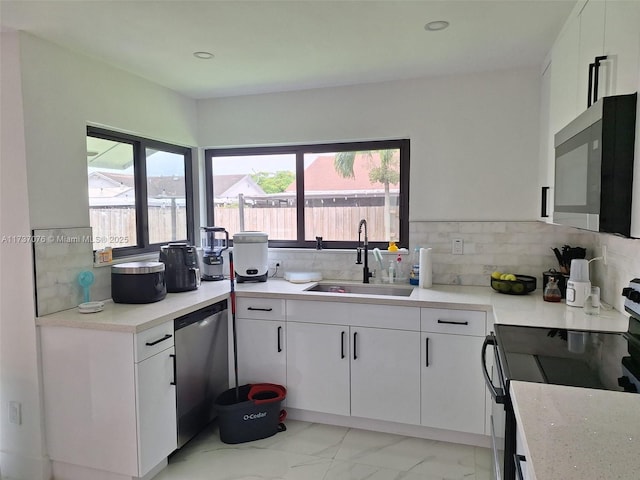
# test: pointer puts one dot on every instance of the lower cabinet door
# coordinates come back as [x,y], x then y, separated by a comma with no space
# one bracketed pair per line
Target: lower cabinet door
[318,367]
[385,374]
[453,391]
[156,407]
[261,351]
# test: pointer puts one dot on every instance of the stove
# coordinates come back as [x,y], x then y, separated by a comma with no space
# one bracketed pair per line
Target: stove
[601,360]
[606,360]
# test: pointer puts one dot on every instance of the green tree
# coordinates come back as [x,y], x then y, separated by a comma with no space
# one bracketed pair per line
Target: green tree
[274,182]
[386,173]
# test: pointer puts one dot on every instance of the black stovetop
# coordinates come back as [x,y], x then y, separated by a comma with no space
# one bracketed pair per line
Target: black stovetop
[602,360]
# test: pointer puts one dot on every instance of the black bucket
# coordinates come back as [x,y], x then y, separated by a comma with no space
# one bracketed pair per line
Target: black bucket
[255,414]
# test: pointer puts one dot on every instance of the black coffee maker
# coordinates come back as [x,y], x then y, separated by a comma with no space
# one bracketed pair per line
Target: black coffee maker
[181,267]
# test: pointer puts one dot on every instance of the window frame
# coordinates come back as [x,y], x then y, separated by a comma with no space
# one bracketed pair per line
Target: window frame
[140,145]
[300,150]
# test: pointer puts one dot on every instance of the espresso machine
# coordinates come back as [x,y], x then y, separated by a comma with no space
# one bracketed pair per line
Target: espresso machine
[215,240]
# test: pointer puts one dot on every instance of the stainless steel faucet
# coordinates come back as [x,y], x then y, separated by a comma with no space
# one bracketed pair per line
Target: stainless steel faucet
[366,274]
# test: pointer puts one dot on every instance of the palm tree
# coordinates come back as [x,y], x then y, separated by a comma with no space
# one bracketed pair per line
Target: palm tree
[386,173]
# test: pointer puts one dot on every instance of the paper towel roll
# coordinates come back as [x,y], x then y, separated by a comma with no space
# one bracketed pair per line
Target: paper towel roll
[426,268]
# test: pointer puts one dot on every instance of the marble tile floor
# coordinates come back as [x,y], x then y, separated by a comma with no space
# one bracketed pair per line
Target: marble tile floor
[312,451]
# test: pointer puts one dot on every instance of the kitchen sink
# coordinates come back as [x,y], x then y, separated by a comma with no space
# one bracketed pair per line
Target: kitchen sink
[389,290]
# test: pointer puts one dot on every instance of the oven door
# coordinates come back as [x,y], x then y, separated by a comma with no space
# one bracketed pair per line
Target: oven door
[495,384]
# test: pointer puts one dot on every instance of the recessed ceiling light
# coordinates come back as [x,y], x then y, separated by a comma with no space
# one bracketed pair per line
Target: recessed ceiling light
[436,25]
[203,55]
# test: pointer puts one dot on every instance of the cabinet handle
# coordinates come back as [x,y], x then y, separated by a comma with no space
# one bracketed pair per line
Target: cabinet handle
[355,345]
[173,357]
[260,309]
[517,459]
[596,77]
[279,339]
[426,352]
[544,213]
[452,322]
[166,337]
[342,345]
[592,67]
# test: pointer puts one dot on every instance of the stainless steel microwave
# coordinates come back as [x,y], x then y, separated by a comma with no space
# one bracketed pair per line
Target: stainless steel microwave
[594,167]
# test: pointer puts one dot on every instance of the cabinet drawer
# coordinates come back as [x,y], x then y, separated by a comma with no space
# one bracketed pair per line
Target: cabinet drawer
[152,341]
[462,322]
[260,308]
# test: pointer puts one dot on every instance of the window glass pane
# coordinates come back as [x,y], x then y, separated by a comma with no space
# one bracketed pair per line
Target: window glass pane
[343,187]
[166,197]
[112,199]
[256,192]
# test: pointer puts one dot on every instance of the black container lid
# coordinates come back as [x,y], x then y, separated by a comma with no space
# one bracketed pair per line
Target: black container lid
[137,268]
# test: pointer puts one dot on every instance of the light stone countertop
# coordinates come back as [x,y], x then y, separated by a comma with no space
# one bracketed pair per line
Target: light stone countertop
[558,423]
[510,309]
[578,433]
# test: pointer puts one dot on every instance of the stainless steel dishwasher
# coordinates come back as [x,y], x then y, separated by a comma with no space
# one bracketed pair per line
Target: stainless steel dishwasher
[201,367]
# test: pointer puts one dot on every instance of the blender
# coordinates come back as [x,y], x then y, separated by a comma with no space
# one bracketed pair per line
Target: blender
[215,240]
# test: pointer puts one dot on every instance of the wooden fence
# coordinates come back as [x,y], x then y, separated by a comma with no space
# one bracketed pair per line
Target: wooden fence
[331,223]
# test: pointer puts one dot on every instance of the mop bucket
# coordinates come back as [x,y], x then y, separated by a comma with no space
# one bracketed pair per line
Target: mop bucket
[253,415]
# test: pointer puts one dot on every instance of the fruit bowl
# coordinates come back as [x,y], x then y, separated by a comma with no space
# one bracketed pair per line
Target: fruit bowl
[522,285]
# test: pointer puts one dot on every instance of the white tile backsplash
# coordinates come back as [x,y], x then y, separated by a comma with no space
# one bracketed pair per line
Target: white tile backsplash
[517,247]
[58,259]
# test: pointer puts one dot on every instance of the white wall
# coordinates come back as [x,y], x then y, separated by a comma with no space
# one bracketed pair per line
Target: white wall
[474,138]
[48,96]
[63,92]
[21,446]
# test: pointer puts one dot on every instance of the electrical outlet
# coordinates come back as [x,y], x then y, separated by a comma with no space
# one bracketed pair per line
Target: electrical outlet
[457,246]
[15,413]
[276,263]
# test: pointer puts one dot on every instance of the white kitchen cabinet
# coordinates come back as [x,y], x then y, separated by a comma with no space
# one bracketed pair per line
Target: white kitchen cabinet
[564,77]
[156,407]
[622,47]
[261,351]
[109,401]
[354,359]
[591,19]
[546,173]
[261,339]
[453,388]
[595,28]
[318,376]
[385,374]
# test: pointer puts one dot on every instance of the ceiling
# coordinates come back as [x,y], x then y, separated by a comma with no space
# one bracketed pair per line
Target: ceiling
[271,46]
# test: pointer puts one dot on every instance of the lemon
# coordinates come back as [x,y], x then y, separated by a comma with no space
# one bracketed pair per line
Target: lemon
[503,276]
[496,275]
[511,277]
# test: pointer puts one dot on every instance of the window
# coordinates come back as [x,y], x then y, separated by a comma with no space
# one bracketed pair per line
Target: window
[139,196]
[298,193]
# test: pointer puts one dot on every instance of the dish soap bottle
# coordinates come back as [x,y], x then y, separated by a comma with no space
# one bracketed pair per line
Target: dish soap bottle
[552,291]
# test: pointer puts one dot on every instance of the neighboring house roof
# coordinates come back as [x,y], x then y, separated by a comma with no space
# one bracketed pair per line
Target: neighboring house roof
[321,176]
[229,186]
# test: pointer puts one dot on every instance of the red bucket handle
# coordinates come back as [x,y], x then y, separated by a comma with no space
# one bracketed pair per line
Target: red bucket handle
[267,387]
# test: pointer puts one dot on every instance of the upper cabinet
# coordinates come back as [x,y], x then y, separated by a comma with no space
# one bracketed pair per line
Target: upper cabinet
[622,47]
[591,26]
[594,30]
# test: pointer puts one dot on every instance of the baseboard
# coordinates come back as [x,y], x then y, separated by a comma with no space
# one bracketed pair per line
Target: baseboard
[66,471]
[15,466]
[417,431]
